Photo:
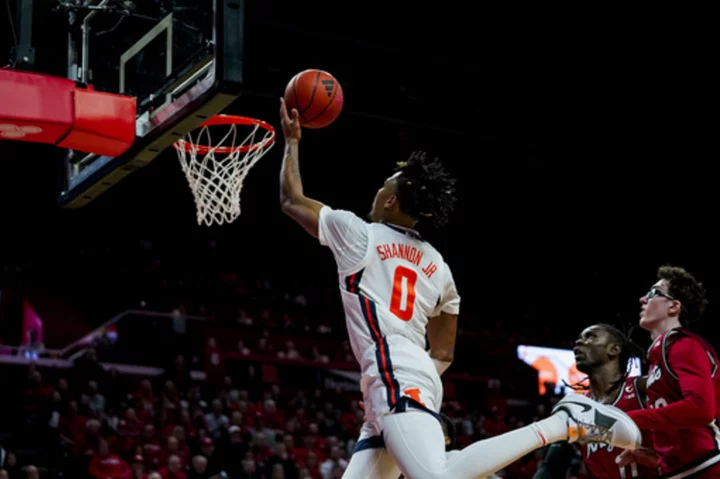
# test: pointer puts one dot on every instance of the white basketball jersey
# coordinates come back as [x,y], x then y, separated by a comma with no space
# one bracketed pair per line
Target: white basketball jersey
[392,283]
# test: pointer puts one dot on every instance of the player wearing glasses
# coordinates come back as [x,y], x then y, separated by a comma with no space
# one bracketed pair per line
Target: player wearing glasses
[683,384]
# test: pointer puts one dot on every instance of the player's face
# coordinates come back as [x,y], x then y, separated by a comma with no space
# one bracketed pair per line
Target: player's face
[384,199]
[591,348]
[655,305]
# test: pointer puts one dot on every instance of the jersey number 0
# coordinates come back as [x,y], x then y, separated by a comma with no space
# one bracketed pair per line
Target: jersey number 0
[402,302]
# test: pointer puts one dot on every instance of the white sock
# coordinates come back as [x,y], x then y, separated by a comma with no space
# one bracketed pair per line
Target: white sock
[552,429]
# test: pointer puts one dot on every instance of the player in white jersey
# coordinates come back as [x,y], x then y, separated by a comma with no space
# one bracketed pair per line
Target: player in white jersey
[396,288]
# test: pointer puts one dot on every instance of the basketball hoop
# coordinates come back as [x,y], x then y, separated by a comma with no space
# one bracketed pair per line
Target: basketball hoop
[216,171]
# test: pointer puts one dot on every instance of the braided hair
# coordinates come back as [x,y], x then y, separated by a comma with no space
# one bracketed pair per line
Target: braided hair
[628,349]
[425,189]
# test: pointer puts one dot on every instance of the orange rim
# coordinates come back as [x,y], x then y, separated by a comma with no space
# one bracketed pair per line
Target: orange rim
[187,146]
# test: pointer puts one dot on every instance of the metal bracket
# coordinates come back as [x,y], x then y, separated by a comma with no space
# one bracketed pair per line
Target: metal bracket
[81,72]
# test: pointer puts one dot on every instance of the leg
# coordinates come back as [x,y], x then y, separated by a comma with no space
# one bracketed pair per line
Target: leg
[372,464]
[416,441]
[370,459]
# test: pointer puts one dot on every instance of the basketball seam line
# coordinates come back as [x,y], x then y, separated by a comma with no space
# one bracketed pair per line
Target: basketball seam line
[332,100]
[312,95]
[297,101]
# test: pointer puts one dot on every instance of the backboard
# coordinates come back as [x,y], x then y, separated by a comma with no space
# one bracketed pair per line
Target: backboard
[181,59]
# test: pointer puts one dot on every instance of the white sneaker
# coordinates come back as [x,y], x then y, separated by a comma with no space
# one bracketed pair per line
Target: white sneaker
[590,421]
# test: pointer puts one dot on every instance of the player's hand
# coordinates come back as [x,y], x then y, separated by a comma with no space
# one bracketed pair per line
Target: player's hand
[290,122]
[643,456]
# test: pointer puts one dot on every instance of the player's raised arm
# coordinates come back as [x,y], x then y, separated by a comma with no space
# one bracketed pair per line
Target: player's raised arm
[690,363]
[292,200]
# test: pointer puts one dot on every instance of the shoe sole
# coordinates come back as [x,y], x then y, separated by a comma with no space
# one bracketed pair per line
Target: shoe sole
[605,416]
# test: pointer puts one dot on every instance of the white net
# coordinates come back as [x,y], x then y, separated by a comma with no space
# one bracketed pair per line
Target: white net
[216,177]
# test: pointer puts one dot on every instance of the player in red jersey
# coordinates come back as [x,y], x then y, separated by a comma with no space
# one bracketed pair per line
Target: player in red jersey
[603,353]
[683,387]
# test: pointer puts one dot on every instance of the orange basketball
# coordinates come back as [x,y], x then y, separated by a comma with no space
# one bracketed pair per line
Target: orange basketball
[317,96]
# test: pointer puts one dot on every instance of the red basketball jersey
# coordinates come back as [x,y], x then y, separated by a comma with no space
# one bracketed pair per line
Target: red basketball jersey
[682,452]
[599,458]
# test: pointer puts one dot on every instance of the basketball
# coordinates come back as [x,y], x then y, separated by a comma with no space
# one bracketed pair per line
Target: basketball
[317,96]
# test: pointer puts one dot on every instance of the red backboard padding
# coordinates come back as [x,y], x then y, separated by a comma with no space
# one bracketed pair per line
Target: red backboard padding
[103,123]
[45,109]
[33,107]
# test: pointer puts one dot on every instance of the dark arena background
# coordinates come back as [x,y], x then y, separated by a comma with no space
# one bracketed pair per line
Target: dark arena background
[584,153]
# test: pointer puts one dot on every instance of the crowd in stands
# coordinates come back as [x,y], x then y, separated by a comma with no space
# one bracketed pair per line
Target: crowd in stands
[87,422]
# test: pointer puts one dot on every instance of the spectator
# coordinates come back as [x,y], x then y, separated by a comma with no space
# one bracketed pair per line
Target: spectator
[282,458]
[249,469]
[138,467]
[173,470]
[277,472]
[11,465]
[236,448]
[32,472]
[335,460]
[213,456]
[105,465]
[172,448]
[94,399]
[198,468]
[150,446]
[216,421]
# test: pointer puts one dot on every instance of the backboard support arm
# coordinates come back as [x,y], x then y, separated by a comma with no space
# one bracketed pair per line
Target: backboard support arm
[23,54]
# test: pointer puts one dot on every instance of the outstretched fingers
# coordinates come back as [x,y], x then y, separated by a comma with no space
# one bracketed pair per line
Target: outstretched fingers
[283,111]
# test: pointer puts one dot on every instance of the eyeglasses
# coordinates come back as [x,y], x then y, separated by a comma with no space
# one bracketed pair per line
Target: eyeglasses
[655,291]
